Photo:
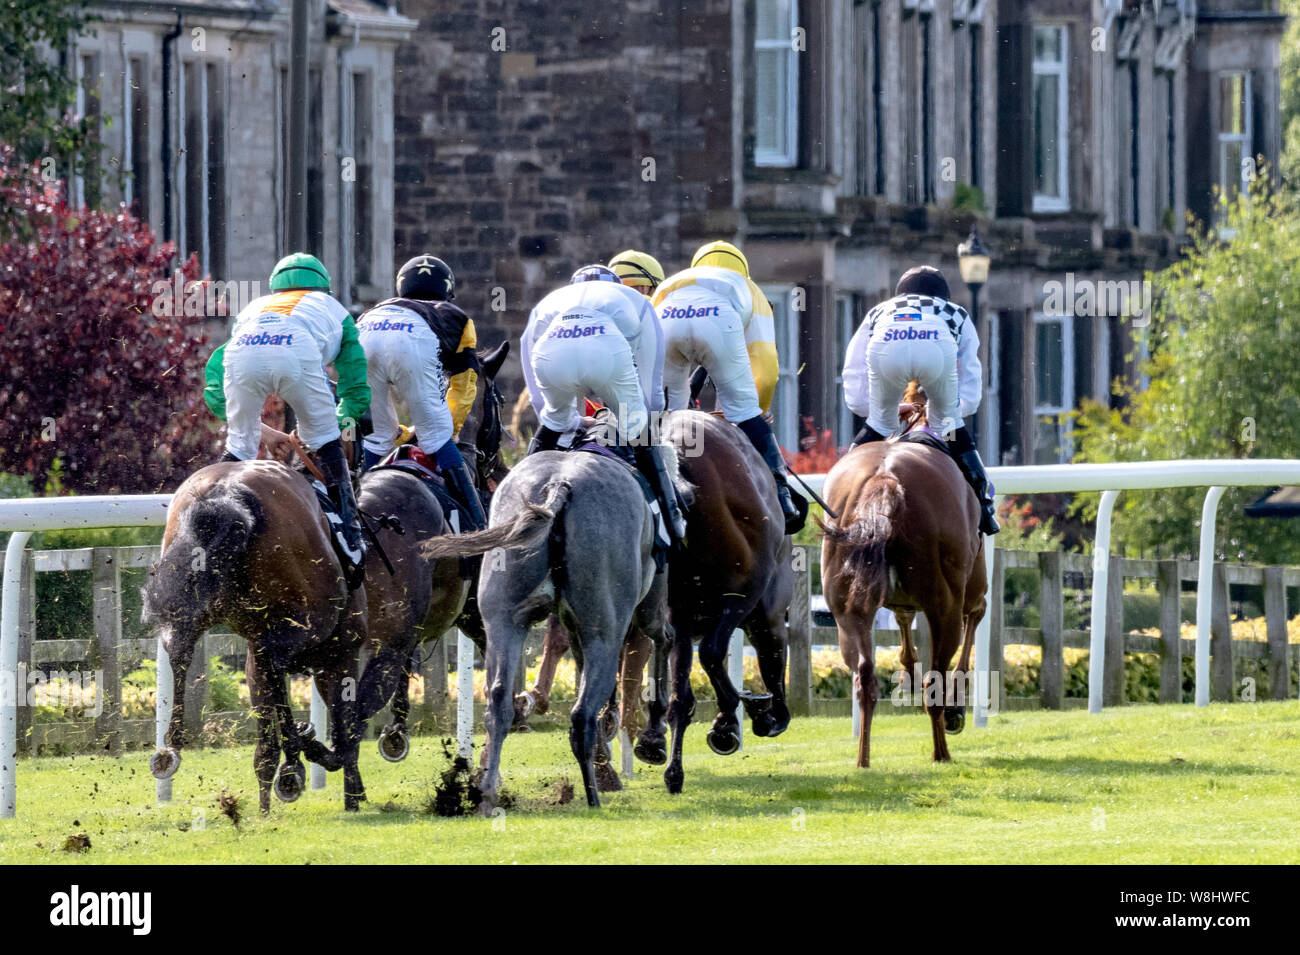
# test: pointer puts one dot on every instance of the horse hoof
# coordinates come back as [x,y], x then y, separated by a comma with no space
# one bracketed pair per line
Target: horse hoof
[394,744]
[954,721]
[756,704]
[767,725]
[164,763]
[724,742]
[652,751]
[306,731]
[290,781]
[673,779]
[609,722]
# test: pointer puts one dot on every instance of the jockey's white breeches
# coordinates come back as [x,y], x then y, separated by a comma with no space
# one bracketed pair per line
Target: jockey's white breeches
[406,366]
[569,362]
[715,340]
[924,351]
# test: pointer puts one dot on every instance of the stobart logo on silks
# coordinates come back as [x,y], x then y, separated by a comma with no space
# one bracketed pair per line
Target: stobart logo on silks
[384,325]
[560,331]
[265,338]
[910,335]
[691,311]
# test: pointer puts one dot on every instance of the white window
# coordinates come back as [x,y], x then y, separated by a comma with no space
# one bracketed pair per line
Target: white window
[1051,130]
[1054,386]
[776,83]
[1236,158]
[785,404]
[203,164]
[362,185]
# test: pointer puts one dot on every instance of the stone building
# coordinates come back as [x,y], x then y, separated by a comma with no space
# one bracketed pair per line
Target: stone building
[840,142]
[196,95]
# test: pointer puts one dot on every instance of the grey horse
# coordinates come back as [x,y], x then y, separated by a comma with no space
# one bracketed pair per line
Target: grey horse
[569,533]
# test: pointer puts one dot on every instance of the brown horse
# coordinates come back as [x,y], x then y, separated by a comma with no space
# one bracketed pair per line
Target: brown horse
[907,539]
[246,543]
[734,572]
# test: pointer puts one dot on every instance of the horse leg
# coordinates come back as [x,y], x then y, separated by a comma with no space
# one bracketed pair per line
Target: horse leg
[724,735]
[636,654]
[681,708]
[859,655]
[387,676]
[946,634]
[607,780]
[767,632]
[599,676]
[501,659]
[955,715]
[266,755]
[347,729]
[538,699]
[165,762]
[652,742]
[907,658]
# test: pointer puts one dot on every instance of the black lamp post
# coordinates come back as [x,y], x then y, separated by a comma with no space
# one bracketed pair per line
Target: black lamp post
[973,263]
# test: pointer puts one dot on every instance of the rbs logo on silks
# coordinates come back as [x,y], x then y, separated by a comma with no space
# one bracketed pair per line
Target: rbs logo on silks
[910,335]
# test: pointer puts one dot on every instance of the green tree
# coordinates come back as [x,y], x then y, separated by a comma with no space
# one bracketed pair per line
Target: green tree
[1224,381]
[37,87]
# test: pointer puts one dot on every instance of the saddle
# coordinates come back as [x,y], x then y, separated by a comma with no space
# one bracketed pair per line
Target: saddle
[585,442]
[409,458]
[922,434]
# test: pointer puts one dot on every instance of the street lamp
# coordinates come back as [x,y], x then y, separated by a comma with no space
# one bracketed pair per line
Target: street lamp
[973,263]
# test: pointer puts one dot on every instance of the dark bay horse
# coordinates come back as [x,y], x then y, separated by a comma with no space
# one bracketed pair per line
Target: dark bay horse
[246,543]
[907,539]
[734,572]
[423,596]
[570,533]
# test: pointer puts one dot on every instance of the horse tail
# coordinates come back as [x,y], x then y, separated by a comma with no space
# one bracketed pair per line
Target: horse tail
[213,537]
[526,530]
[867,538]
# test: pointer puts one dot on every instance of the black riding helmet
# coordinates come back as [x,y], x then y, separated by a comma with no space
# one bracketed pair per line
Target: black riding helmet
[426,277]
[923,280]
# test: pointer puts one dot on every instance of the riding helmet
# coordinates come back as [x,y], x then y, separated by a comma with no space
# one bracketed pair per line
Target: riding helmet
[723,255]
[426,277]
[299,270]
[594,273]
[637,268]
[923,280]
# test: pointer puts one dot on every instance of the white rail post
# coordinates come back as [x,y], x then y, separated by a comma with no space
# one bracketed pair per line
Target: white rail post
[854,706]
[464,695]
[1204,593]
[1100,588]
[736,671]
[162,717]
[320,720]
[983,637]
[11,694]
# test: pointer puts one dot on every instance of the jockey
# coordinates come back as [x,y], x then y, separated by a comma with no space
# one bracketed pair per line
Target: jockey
[638,270]
[280,344]
[420,348]
[715,316]
[920,334]
[596,334]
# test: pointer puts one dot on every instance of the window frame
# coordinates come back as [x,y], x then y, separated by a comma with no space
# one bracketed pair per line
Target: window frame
[1044,202]
[785,401]
[1069,396]
[1244,138]
[773,158]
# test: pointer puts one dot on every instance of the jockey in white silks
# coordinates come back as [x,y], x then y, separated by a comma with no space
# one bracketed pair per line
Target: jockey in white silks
[920,334]
[598,336]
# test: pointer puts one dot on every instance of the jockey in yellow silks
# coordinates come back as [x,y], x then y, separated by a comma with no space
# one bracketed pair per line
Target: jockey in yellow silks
[715,316]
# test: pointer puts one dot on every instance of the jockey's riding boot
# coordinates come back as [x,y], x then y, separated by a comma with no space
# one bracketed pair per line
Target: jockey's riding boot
[456,473]
[865,436]
[761,437]
[968,461]
[226,458]
[335,466]
[370,459]
[547,440]
[650,462]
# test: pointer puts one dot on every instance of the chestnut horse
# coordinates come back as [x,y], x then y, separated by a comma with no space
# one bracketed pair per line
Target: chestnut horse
[246,543]
[908,539]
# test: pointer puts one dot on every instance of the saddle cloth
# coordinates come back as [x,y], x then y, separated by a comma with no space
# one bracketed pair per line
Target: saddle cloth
[409,458]
[923,434]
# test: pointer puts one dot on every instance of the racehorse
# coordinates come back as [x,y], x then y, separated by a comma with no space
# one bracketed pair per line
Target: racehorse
[422,597]
[570,532]
[247,543]
[908,539]
[735,571]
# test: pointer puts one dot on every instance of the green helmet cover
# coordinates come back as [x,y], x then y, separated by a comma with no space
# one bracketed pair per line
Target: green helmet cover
[299,270]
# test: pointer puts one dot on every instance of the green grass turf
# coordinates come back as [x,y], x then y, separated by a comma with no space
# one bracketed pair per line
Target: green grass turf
[1150,784]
